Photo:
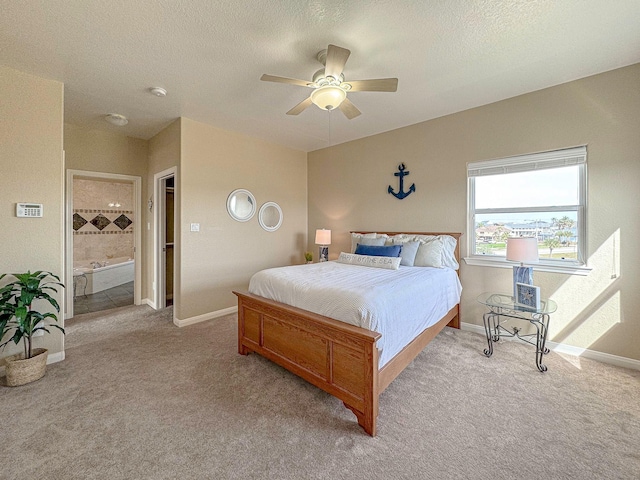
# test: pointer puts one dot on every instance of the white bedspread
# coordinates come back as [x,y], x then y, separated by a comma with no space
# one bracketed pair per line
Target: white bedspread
[399,304]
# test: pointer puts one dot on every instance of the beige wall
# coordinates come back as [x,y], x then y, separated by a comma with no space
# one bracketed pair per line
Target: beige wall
[103,151]
[348,191]
[31,161]
[225,253]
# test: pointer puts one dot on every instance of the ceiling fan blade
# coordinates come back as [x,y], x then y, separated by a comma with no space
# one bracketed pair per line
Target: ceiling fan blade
[300,107]
[376,85]
[349,109]
[336,58]
[291,81]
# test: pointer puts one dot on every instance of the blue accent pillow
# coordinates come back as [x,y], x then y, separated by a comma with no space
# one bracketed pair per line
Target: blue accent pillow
[409,252]
[379,251]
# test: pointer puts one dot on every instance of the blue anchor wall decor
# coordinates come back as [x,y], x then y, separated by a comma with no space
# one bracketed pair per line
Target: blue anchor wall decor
[402,194]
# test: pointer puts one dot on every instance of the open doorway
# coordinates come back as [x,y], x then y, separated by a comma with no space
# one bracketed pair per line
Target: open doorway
[103,236]
[164,237]
[169,196]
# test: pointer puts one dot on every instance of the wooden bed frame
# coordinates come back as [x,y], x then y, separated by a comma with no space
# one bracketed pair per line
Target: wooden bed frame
[339,358]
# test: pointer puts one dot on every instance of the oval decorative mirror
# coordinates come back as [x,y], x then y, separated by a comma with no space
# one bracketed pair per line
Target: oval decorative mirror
[241,205]
[270,216]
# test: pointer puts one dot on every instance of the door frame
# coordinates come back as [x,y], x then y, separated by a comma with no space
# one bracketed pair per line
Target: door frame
[137,232]
[159,220]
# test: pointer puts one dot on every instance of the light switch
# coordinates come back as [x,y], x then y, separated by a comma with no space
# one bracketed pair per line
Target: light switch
[195,227]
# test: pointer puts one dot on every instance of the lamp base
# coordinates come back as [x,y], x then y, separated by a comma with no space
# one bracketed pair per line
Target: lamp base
[323,253]
[522,275]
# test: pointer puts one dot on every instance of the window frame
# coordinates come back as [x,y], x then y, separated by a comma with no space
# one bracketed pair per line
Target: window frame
[575,156]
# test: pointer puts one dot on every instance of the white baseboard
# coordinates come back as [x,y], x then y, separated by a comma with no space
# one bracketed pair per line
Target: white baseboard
[205,316]
[149,302]
[570,350]
[55,357]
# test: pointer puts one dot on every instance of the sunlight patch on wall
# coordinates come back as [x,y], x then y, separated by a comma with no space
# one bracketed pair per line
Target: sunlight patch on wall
[584,308]
[598,323]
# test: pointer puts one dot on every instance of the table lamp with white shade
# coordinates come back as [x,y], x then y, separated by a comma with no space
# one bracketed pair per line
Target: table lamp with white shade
[323,238]
[523,250]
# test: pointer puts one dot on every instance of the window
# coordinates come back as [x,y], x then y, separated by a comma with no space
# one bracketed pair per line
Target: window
[542,195]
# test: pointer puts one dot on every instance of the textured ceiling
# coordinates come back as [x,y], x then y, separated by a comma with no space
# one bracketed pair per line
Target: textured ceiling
[449,55]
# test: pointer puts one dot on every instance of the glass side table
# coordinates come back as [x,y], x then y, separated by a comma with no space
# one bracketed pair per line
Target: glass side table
[503,305]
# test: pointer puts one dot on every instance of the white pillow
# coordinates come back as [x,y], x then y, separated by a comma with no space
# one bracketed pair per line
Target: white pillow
[429,254]
[390,263]
[448,252]
[448,247]
[367,239]
[409,251]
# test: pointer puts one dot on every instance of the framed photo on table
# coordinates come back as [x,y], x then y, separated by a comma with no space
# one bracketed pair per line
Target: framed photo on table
[528,296]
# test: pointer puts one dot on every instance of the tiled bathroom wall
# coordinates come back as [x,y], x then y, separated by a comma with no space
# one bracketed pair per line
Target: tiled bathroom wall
[103,220]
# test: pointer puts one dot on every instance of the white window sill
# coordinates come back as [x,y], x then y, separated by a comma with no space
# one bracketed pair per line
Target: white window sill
[572,269]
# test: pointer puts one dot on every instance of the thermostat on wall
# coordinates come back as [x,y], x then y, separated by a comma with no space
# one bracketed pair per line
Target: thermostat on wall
[28,209]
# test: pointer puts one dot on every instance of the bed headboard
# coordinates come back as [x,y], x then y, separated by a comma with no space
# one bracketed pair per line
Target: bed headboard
[455,235]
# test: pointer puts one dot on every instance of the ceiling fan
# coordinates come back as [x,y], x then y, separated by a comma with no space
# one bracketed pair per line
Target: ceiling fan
[329,85]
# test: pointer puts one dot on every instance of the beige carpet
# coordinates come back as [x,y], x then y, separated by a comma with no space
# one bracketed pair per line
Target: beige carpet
[138,398]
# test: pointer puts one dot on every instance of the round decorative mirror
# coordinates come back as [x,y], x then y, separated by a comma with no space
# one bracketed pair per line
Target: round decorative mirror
[241,205]
[270,216]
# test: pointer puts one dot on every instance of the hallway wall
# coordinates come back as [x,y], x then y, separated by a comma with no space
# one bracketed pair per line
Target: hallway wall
[32,165]
[111,152]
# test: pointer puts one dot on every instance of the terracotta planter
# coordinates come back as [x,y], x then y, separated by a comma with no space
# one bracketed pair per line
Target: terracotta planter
[20,371]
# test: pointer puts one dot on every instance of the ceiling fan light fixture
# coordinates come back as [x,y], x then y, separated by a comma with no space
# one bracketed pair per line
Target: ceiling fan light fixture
[329,97]
[329,87]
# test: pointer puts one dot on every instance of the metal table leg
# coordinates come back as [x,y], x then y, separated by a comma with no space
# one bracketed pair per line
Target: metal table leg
[542,326]
[491,330]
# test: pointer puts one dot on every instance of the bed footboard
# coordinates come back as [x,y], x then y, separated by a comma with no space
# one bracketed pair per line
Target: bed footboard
[336,357]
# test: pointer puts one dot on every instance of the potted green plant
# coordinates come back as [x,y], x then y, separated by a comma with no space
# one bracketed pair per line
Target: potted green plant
[308,256]
[20,321]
